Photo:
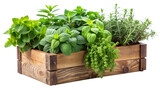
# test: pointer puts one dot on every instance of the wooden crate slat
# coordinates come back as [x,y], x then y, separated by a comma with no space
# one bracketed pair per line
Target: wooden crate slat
[34,70]
[77,59]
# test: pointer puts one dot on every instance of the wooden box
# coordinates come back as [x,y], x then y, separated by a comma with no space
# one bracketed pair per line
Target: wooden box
[54,69]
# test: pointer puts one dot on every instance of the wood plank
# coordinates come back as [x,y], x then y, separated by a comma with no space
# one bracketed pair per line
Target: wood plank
[142,64]
[33,68]
[19,65]
[19,58]
[51,78]
[128,52]
[51,62]
[81,73]
[75,59]
[143,52]
[73,74]
[124,66]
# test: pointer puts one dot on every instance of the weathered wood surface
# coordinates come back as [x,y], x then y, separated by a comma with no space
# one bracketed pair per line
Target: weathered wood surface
[33,68]
[59,61]
[81,73]
[57,68]
[19,58]
[37,71]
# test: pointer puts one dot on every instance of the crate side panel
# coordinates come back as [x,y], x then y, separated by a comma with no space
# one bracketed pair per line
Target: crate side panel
[33,68]
[81,73]
[128,52]
[75,59]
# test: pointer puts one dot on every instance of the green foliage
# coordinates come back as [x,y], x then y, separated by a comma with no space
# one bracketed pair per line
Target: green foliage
[66,48]
[48,15]
[63,40]
[73,19]
[100,49]
[25,33]
[125,29]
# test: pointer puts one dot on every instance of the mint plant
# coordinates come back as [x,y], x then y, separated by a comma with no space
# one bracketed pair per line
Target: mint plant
[25,33]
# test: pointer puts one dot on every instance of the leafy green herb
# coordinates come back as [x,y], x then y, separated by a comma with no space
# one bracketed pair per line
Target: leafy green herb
[100,49]
[47,16]
[125,29]
[25,33]
[63,40]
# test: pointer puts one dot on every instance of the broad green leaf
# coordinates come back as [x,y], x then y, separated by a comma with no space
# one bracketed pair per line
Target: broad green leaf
[87,20]
[54,44]
[74,33]
[26,38]
[91,38]
[49,38]
[76,18]
[7,44]
[73,14]
[43,42]
[15,20]
[56,50]
[77,48]
[73,41]
[66,49]
[43,30]
[32,34]
[67,31]
[20,28]
[64,37]
[95,30]
[44,11]
[106,33]
[21,43]
[85,30]
[41,15]
[46,48]
[35,43]
[81,40]
[80,28]
[61,30]
[56,36]
[24,30]
[6,32]
[50,31]
[53,27]
[61,17]
[100,25]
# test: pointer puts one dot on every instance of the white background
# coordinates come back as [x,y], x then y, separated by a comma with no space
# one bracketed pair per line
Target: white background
[149,79]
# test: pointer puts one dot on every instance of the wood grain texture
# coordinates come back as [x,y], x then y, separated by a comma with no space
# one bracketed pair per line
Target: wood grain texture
[128,52]
[75,59]
[143,51]
[81,73]
[124,66]
[19,64]
[51,78]
[54,69]
[142,64]
[33,68]
[51,62]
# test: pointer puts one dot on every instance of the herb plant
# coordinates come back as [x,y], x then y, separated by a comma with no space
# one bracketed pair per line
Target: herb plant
[48,15]
[125,29]
[63,40]
[25,33]
[100,49]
